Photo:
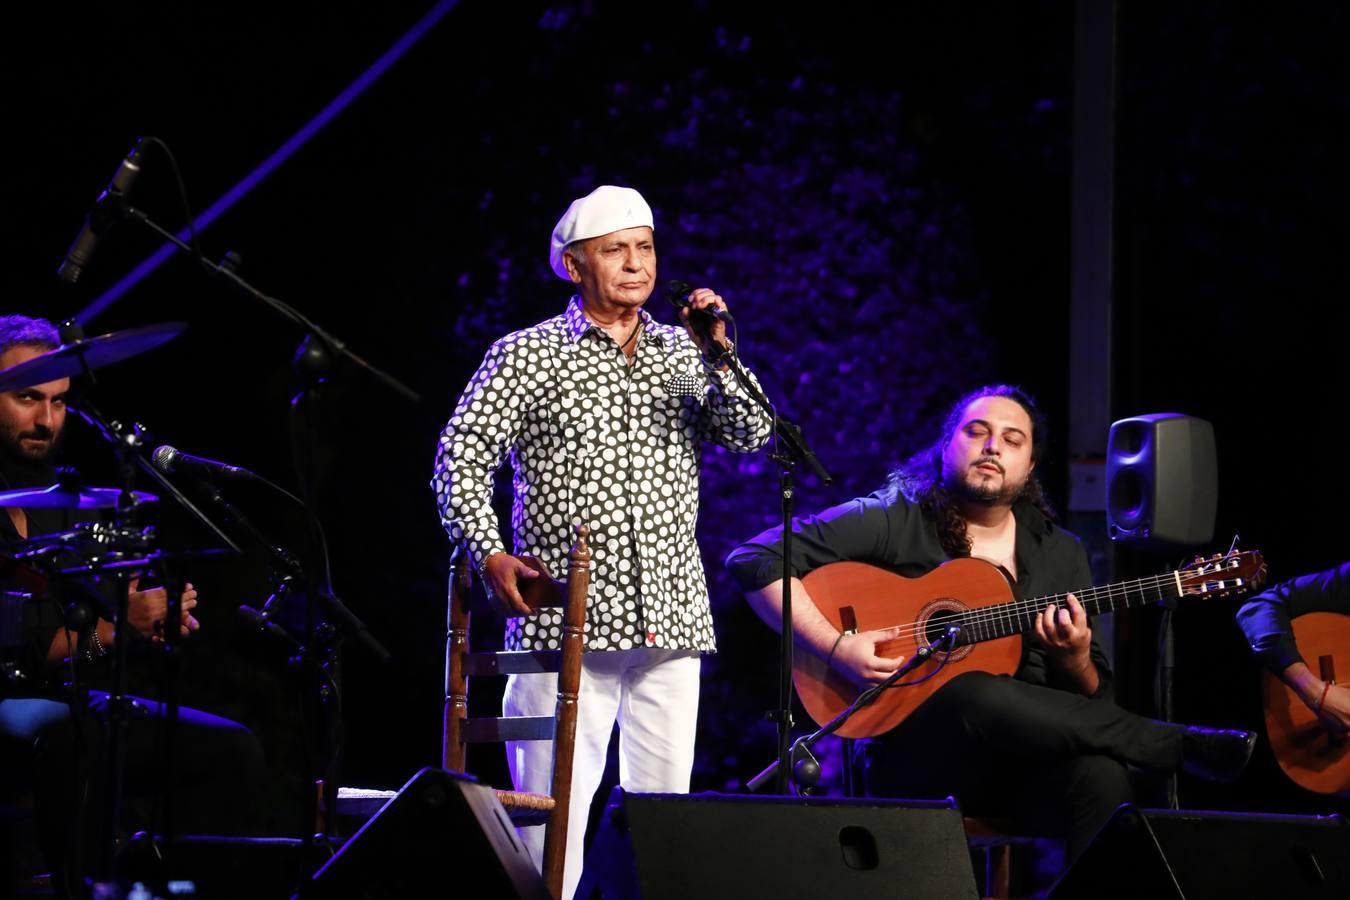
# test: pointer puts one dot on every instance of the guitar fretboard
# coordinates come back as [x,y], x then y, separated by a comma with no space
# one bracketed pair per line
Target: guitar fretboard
[1004,619]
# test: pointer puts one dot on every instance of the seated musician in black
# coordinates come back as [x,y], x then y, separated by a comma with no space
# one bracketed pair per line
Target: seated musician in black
[1046,746]
[63,747]
[1264,619]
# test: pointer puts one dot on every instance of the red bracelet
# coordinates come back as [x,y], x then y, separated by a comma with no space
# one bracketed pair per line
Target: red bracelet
[1320,700]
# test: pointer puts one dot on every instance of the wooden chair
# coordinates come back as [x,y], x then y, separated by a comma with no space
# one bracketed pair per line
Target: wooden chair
[461,664]
[996,838]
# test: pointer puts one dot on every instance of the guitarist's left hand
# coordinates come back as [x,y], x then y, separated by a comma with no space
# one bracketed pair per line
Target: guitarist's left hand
[1066,636]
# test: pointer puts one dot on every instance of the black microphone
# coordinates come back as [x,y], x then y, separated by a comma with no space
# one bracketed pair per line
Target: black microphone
[266,625]
[102,217]
[169,460]
[677,292]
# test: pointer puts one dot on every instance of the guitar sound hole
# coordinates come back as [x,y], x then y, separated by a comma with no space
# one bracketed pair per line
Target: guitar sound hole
[936,626]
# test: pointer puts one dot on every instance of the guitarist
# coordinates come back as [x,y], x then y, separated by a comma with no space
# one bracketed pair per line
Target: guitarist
[1264,619]
[1046,746]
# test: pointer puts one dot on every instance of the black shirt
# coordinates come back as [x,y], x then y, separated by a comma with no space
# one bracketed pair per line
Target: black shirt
[894,533]
[40,617]
[1264,618]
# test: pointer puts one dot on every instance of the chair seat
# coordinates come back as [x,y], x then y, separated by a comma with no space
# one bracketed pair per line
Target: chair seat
[520,800]
[362,803]
[526,809]
[984,831]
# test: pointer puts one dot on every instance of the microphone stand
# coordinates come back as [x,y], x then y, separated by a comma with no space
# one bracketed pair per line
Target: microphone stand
[314,659]
[128,444]
[286,561]
[313,362]
[790,450]
[313,359]
[805,769]
[1163,685]
[228,269]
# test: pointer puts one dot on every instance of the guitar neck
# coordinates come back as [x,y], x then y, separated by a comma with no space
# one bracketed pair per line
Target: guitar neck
[989,623]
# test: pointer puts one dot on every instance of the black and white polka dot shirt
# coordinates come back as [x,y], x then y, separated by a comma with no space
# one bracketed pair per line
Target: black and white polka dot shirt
[592,439]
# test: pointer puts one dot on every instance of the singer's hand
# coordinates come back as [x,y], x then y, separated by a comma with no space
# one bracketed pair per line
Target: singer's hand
[705,335]
[501,572]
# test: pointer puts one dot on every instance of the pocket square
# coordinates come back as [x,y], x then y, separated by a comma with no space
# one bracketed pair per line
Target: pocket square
[685,386]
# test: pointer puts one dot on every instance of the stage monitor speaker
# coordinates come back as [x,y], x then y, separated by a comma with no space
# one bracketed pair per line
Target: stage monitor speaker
[442,828]
[1162,481]
[678,846]
[1166,854]
[215,867]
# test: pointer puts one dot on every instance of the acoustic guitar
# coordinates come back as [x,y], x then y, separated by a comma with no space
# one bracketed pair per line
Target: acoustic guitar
[977,598]
[1311,755]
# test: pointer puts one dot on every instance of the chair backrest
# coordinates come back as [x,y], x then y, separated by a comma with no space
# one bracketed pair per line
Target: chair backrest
[456,708]
[461,663]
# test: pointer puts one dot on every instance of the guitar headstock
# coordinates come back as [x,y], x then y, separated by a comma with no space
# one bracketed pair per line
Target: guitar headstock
[1237,571]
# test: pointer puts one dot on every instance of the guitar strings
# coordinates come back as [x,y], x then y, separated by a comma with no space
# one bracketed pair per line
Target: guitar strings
[1005,613]
[1019,609]
[1087,596]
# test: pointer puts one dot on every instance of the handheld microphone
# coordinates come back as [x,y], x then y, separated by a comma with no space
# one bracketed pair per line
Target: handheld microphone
[677,292]
[169,460]
[102,216]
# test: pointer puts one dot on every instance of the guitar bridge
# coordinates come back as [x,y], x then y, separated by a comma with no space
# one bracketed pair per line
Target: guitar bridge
[849,619]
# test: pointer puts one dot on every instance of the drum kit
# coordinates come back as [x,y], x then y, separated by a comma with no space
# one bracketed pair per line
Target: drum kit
[87,568]
[40,568]
[33,562]
[93,562]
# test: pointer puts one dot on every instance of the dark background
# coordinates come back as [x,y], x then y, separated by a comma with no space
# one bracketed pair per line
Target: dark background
[883,200]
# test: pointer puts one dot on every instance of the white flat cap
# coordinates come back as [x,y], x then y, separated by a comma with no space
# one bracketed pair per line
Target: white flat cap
[603,210]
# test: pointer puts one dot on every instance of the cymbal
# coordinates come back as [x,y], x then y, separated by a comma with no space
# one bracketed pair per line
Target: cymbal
[59,496]
[142,560]
[95,352]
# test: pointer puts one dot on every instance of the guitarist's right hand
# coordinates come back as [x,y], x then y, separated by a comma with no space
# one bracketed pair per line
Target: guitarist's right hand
[1331,704]
[855,657]
[1335,713]
[501,573]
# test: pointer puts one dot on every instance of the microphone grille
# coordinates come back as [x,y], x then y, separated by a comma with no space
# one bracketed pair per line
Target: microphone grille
[677,292]
[163,458]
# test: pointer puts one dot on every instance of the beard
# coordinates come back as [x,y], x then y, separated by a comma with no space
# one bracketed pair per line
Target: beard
[28,465]
[971,486]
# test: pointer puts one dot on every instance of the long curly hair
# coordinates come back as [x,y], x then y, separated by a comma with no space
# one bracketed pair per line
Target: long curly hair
[919,479]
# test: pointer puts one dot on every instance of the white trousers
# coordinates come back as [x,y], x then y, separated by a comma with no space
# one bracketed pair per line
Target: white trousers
[652,694]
